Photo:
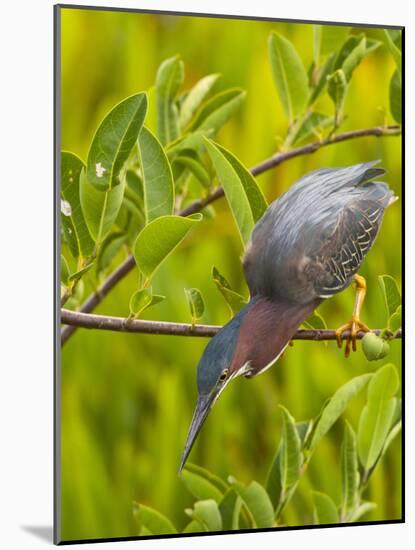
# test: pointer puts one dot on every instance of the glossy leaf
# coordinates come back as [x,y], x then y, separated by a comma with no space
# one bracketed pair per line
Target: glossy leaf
[100,209]
[153,521]
[321,82]
[395,96]
[159,238]
[74,227]
[109,249]
[157,177]
[336,406]
[206,512]
[215,112]
[337,89]
[350,472]
[200,487]
[391,293]
[114,140]
[376,418]
[354,58]
[196,303]
[257,502]
[291,456]
[195,98]
[327,38]
[168,81]
[393,48]
[289,75]
[234,300]
[143,299]
[245,199]
[230,508]
[195,167]
[325,511]
[206,474]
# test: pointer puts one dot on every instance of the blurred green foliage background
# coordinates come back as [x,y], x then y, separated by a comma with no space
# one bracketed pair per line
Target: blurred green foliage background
[127,399]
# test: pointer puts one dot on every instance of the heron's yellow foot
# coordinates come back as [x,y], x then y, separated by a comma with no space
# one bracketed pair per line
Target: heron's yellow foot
[355,325]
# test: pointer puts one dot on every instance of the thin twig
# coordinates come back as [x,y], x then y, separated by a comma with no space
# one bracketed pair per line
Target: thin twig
[199,204]
[122,324]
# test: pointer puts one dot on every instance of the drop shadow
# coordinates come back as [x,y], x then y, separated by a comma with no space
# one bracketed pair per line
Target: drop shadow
[43,532]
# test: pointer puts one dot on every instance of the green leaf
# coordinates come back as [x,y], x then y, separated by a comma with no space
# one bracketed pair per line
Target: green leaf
[193,527]
[395,96]
[311,125]
[195,97]
[230,508]
[159,238]
[157,177]
[336,406]
[212,478]
[65,273]
[234,300]
[354,58]
[289,75]
[395,320]
[391,293]
[111,245]
[143,299]
[328,38]
[393,48]
[315,321]
[215,112]
[195,167]
[325,511]
[74,227]
[350,472]
[196,303]
[206,512]
[100,209]
[257,502]
[274,484]
[337,89]
[291,456]
[114,140]
[153,521]
[362,509]
[242,192]
[168,81]
[78,274]
[322,75]
[376,418]
[200,487]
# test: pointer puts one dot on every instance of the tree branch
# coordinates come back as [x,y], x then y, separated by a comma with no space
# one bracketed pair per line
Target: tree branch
[122,324]
[196,206]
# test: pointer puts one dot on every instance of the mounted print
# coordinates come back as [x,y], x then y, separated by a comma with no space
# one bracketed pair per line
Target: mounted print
[229,258]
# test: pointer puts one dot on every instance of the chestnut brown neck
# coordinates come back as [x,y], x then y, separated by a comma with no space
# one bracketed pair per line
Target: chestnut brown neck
[266,329]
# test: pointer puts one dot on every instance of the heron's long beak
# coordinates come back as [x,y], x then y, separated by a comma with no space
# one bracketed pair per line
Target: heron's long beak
[203,405]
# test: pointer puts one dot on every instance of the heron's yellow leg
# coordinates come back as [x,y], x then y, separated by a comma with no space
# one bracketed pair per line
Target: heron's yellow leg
[355,325]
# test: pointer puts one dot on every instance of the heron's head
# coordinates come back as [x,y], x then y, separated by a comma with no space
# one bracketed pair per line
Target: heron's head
[215,370]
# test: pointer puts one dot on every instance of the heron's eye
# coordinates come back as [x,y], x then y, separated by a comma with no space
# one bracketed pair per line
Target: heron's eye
[224,375]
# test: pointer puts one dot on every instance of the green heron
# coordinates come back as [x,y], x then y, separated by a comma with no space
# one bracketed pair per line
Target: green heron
[308,246]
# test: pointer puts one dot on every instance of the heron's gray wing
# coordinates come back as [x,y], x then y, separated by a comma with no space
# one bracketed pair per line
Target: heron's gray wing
[332,266]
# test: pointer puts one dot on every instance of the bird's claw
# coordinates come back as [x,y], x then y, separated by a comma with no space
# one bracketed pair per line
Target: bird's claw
[354,326]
